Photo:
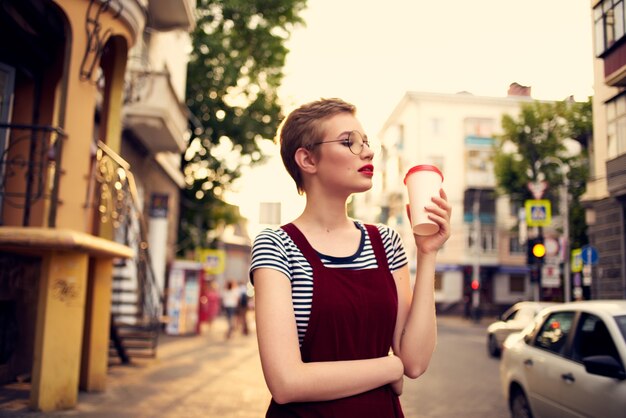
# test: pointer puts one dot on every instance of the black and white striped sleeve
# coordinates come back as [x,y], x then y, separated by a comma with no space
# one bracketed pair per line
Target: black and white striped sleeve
[268,251]
[394,248]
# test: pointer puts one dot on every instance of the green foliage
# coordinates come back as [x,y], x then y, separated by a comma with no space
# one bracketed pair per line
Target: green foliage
[235,68]
[528,143]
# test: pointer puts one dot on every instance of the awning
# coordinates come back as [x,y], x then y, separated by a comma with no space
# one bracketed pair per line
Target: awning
[513,269]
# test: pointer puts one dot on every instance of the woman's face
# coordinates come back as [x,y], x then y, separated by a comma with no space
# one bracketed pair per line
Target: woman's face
[339,167]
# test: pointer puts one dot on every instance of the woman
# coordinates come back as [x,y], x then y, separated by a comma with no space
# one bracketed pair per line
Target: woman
[230,300]
[338,325]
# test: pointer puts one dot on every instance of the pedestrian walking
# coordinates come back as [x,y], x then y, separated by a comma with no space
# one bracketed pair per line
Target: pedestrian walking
[213,303]
[242,308]
[230,302]
[338,324]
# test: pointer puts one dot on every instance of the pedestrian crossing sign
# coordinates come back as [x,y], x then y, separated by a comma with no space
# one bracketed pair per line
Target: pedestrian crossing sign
[538,212]
[212,260]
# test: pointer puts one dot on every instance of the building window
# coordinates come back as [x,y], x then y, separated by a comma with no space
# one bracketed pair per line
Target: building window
[488,243]
[479,127]
[517,283]
[483,200]
[479,145]
[515,208]
[616,127]
[477,160]
[609,24]
[488,239]
[7,85]
[514,245]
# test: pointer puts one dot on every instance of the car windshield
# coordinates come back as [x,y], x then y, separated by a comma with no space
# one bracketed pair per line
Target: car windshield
[509,314]
[621,323]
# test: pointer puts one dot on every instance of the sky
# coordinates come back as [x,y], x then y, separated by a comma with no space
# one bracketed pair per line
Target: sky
[372,53]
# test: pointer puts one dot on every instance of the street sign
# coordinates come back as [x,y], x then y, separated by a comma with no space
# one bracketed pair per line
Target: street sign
[577,260]
[552,246]
[589,255]
[552,260]
[213,261]
[550,275]
[587,275]
[538,212]
[537,188]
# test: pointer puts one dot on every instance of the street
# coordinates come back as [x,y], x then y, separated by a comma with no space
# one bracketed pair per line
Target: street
[462,380]
[208,376]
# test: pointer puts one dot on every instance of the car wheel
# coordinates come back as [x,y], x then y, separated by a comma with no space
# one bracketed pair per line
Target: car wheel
[492,346]
[519,405]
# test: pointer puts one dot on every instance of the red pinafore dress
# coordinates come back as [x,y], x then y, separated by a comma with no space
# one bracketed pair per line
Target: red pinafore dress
[353,317]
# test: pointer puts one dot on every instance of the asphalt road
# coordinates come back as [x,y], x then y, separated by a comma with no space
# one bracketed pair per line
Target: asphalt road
[461,381]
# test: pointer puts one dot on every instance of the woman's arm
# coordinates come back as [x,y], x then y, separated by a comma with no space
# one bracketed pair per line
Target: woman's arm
[288,378]
[415,335]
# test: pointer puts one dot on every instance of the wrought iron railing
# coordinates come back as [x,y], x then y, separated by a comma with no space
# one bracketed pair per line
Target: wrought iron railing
[117,202]
[32,152]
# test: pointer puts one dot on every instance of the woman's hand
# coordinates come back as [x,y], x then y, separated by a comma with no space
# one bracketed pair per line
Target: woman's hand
[397,385]
[439,212]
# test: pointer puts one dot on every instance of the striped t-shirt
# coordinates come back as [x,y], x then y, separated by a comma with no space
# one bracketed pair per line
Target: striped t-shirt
[274,249]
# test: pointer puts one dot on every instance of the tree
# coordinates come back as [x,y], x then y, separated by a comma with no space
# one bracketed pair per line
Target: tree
[235,68]
[541,130]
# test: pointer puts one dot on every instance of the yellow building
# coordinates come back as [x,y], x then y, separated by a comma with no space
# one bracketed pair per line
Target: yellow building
[74,110]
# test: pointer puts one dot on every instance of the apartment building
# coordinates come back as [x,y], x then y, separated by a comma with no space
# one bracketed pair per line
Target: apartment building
[456,132]
[605,199]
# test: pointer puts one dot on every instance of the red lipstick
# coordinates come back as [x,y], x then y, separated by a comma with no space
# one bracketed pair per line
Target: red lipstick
[367,169]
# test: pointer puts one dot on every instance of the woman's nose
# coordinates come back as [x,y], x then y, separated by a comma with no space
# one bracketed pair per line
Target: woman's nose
[367,152]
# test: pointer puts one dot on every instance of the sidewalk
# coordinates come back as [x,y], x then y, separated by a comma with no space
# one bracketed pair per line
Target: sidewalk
[192,376]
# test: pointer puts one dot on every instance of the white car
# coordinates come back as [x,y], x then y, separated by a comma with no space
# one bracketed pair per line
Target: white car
[514,319]
[568,363]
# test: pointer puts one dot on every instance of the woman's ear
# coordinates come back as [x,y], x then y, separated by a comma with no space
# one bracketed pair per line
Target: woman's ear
[306,160]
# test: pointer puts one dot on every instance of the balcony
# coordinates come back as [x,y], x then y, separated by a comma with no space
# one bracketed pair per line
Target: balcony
[153,112]
[171,14]
[615,65]
[616,176]
[30,165]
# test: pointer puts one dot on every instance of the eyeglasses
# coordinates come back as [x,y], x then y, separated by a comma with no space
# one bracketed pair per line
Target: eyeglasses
[355,142]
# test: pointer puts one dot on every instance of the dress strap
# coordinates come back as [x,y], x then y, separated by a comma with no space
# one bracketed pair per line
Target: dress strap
[303,244]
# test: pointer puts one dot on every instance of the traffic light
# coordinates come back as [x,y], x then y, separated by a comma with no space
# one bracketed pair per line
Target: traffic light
[536,251]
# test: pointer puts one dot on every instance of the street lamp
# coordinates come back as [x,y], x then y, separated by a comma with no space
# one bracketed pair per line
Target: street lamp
[564,200]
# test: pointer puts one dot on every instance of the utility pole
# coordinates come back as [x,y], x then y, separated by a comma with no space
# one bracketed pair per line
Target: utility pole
[567,288]
[564,209]
[476,284]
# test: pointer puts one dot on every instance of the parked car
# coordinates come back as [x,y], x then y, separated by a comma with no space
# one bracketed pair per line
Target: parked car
[514,319]
[568,363]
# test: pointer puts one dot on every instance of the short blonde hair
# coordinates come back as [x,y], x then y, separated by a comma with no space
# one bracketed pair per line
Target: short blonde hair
[303,128]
